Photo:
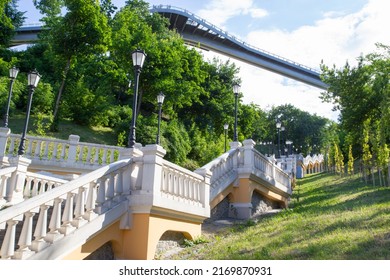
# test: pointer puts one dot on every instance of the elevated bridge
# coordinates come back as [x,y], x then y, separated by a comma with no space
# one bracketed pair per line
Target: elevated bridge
[202,34]
[65,199]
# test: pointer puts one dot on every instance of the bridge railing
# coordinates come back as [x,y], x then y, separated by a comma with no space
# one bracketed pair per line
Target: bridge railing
[233,38]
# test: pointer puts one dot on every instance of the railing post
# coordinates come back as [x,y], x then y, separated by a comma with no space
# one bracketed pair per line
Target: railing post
[14,193]
[152,168]
[4,134]
[73,142]
[205,191]
[249,155]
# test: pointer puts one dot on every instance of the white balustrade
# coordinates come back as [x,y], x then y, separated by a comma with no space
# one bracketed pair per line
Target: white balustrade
[65,208]
[57,151]
[181,184]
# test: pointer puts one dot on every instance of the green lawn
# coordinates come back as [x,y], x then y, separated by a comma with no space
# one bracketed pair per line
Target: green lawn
[97,135]
[329,218]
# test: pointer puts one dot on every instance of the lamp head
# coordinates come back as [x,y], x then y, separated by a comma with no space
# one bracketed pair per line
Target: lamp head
[160,98]
[138,57]
[13,72]
[33,78]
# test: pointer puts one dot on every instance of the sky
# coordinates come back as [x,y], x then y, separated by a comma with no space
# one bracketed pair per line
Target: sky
[304,31]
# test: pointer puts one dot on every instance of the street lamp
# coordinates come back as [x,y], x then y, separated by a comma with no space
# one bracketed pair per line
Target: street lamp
[225,127]
[138,57]
[13,73]
[33,79]
[160,101]
[278,126]
[282,129]
[236,90]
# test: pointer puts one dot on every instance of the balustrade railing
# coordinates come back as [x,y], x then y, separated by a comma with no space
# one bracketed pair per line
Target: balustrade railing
[182,185]
[223,171]
[25,230]
[57,152]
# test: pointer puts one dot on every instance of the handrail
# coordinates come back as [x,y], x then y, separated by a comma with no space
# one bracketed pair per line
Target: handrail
[233,38]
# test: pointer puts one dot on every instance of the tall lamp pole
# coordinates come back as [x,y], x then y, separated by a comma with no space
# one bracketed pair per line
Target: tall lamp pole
[278,126]
[225,127]
[33,79]
[13,73]
[138,57]
[236,90]
[160,101]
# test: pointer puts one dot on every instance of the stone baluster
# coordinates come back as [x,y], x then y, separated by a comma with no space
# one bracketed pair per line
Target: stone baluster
[110,193]
[119,186]
[55,222]
[7,249]
[27,188]
[3,188]
[104,156]
[34,187]
[101,196]
[90,203]
[79,209]
[38,146]
[25,238]
[67,216]
[40,232]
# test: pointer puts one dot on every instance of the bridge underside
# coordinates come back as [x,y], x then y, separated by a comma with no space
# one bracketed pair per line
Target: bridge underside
[199,33]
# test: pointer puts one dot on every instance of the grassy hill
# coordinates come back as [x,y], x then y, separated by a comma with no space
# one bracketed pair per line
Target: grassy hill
[330,218]
[97,135]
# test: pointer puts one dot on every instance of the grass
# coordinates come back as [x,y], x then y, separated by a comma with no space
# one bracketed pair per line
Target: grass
[333,218]
[97,135]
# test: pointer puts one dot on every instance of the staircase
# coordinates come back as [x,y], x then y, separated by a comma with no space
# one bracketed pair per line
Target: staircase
[65,199]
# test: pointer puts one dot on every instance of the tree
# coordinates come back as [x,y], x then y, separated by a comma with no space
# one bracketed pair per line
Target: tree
[81,32]
[350,161]
[10,20]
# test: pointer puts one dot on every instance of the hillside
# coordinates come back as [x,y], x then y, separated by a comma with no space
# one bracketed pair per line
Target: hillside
[330,218]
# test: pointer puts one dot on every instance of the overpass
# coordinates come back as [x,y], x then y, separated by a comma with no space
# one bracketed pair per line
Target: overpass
[202,34]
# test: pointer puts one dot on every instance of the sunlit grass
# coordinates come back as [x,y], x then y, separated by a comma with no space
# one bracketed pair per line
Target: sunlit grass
[331,218]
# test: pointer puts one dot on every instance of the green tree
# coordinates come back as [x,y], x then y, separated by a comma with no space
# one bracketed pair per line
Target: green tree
[10,20]
[81,32]
[350,161]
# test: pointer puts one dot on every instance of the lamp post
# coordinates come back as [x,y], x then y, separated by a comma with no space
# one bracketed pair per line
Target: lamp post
[33,79]
[225,127]
[160,101]
[13,73]
[278,126]
[282,129]
[236,90]
[138,57]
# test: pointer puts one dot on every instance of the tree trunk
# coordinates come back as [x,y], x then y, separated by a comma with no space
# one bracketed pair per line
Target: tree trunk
[54,126]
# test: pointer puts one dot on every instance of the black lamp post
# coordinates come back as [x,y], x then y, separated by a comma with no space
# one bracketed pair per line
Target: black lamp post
[225,127]
[138,57]
[236,90]
[278,126]
[160,101]
[282,129]
[13,73]
[33,79]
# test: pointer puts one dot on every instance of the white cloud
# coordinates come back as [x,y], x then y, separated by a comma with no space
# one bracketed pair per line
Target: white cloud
[335,39]
[220,11]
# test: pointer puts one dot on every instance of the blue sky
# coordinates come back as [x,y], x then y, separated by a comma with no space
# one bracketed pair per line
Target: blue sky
[305,31]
